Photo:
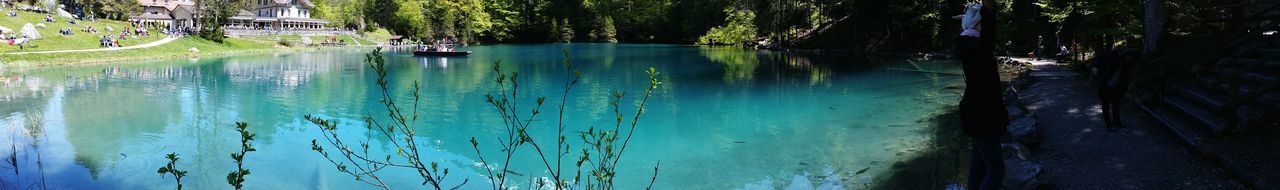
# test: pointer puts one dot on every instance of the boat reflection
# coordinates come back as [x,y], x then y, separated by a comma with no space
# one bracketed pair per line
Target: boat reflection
[442,63]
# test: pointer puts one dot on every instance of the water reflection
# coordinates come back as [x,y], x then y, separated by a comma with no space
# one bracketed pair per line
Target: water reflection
[440,63]
[739,66]
[724,118]
[748,67]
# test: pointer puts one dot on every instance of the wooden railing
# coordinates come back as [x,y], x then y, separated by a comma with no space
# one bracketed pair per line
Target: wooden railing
[1183,62]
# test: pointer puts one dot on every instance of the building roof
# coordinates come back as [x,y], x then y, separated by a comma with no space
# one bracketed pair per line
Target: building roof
[304,20]
[306,3]
[153,17]
[151,3]
[244,15]
[167,4]
[188,6]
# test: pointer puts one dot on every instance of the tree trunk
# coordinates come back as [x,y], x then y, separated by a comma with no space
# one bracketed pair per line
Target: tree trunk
[1239,14]
[949,27]
[990,26]
[1153,23]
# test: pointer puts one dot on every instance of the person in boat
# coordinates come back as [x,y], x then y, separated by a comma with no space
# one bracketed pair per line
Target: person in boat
[982,113]
[441,47]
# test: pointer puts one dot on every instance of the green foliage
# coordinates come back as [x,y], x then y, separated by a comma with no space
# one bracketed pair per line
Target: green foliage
[340,13]
[562,31]
[466,20]
[740,30]
[172,169]
[462,19]
[284,42]
[644,21]
[411,19]
[109,9]
[212,14]
[212,34]
[865,25]
[399,127]
[236,178]
[604,31]
[600,158]
[604,146]
[504,19]
[1117,20]
[47,4]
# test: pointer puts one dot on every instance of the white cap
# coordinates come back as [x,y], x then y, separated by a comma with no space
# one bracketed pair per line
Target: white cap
[972,15]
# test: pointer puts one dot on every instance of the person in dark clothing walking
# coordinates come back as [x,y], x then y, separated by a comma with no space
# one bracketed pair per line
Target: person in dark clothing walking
[982,113]
[1111,70]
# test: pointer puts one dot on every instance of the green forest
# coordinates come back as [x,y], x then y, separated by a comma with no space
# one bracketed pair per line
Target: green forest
[863,25]
[873,25]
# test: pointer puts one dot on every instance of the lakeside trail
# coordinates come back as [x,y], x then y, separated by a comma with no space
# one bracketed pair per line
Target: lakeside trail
[146,45]
[1078,152]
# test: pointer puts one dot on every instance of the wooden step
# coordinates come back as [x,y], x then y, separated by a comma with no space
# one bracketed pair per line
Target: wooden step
[1253,64]
[1209,83]
[1206,98]
[1250,115]
[1213,87]
[1248,77]
[1264,52]
[1268,99]
[1203,119]
[1176,124]
[1260,78]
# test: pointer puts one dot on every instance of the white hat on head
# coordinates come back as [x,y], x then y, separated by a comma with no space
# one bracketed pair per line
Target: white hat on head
[969,21]
[972,15]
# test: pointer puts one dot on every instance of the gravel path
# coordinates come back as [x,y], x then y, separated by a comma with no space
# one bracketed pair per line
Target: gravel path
[146,45]
[1077,151]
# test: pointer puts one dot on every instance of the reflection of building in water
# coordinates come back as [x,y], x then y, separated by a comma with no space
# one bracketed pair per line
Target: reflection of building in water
[17,89]
[288,71]
[168,72]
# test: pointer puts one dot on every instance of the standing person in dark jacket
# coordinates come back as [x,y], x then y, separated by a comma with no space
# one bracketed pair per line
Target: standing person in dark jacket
[982,112]
[1111,75]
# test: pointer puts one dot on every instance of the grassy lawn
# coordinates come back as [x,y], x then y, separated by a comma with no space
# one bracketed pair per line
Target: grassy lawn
[351,40]
[178,49]
[173,50]
[379,35]
[296,39]
[52,40]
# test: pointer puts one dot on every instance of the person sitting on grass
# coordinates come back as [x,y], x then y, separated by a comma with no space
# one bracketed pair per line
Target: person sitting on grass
[48,18]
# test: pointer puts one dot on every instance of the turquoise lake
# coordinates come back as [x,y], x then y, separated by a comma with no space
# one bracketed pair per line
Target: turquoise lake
[723,118]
